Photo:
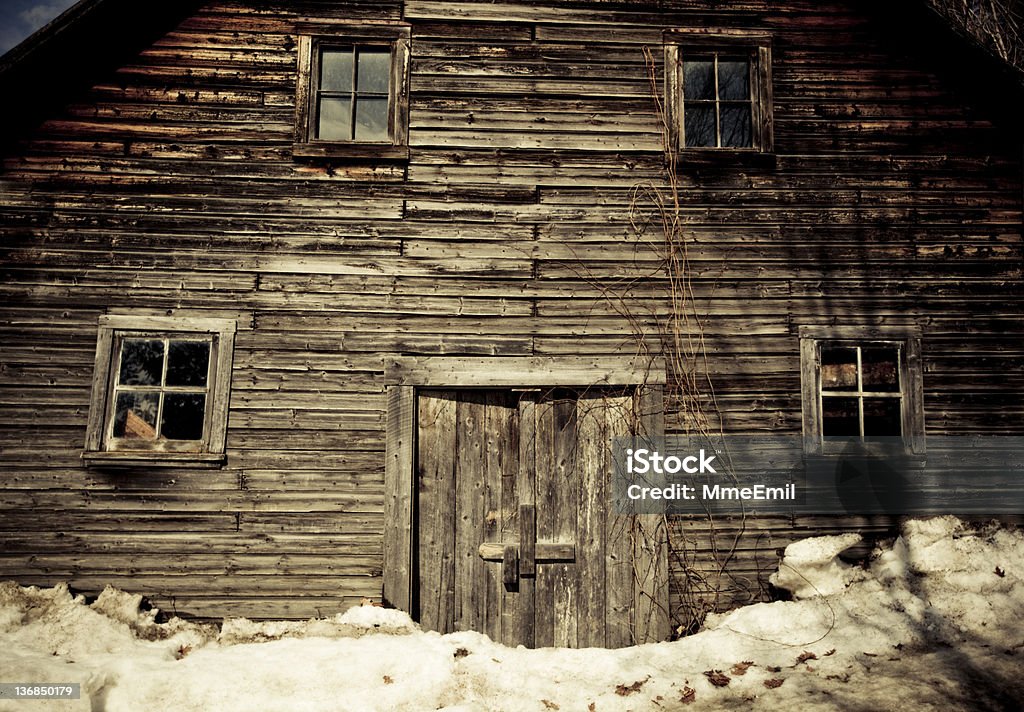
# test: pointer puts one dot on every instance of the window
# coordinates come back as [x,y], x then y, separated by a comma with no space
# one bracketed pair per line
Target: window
[718,90]
[160,391]
[717,110]
[352,96]
[861,386]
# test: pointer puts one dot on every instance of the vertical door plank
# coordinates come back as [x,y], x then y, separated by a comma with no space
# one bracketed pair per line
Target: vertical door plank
[436,506]
[562,504]
[398,493]
[500,469]
[518,605]
[544,597]
[621,417]
[650,545]
[470,457]
[591,468]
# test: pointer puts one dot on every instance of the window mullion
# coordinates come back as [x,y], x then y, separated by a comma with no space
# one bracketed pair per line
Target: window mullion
[718,110]
[821,393]
[355,91]
[163,385]
[860,392]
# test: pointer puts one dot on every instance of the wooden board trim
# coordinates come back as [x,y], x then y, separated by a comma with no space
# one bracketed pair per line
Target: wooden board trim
[651,620]
[512,371]
[543,553]
[398,497]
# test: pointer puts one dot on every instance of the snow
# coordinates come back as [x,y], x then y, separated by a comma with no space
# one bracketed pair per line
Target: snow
[810,567]
[933,623]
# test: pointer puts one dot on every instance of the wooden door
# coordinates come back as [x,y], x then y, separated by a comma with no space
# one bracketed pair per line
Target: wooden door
[515,536]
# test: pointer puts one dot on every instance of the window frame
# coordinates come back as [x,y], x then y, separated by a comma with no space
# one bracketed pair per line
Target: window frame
[757,48]
[908,339]
[312,40]
[101,448]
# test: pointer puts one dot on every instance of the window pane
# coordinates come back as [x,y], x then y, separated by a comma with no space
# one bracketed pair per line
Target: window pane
[183,416]
[335,120]
[736,126]
[838,369]
[733,80]
[374,70]
[880,367]
[882,417]
[188,363]
[372,120]
[336,70]
[699,80]
[135,415]
[839,417]
[142,362]
[699,126]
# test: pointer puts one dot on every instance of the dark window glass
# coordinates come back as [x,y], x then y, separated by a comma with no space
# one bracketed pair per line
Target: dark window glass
[162,389]
[861,393]
[183,416]
[699,80]
[733,79]
[840,417]
[838,369]
[353,94]
[880,369]
[336,70]
[372,119]
[700,125]
[135,415]
[188,363]
[142,362]
[882,417]
[717,104]
[335,119]
[736,131]
[374,71]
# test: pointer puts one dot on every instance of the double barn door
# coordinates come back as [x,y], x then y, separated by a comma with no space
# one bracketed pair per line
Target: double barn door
[514,531]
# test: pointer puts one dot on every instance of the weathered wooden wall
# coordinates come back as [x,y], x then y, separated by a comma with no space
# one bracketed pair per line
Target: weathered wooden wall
[170,189]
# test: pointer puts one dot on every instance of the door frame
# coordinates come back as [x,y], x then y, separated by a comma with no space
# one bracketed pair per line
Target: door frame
[405,375]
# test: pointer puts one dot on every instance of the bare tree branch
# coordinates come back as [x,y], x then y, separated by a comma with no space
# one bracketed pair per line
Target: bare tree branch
[996,24]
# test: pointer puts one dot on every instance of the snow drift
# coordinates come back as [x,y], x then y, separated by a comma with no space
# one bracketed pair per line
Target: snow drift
[935,622]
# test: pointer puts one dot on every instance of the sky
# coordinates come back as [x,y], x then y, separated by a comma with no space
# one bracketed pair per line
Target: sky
[20,18]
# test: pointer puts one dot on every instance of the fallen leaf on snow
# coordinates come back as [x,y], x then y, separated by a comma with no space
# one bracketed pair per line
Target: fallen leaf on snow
[550,705]
[741,668]
[717,678]
[623,690]
[805,656]
[689,695]
[773,682]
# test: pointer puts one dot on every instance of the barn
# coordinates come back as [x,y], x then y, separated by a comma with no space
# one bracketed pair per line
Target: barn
[310,302]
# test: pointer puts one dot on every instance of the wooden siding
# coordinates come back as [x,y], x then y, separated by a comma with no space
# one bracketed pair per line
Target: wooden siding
[170,189]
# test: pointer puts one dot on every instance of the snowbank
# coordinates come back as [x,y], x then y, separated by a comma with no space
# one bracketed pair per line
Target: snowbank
[810,568]
[934,623]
